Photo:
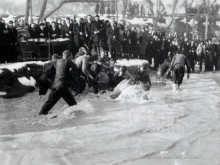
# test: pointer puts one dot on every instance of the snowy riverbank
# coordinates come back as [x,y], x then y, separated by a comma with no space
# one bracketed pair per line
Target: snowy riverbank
[17,79]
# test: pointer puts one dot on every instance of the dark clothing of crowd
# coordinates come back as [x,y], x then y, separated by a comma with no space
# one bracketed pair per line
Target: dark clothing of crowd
[117,39]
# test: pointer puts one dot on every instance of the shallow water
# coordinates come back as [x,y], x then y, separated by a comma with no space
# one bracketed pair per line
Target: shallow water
[169,127]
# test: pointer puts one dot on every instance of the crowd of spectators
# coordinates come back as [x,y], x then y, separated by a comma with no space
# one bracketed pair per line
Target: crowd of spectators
[115,38]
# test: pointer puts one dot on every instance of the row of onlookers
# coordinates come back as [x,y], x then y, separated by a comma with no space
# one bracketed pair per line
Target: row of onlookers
[116,38]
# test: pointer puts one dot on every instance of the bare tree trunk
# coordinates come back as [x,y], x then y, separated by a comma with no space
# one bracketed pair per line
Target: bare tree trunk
[116,4]
[206,26]
[27,10]
[43,8]
[151,6]
[125,5]
[59,5]
[31,7]
[173,17]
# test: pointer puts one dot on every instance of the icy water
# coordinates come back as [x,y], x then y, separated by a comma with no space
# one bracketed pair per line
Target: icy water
[161,127]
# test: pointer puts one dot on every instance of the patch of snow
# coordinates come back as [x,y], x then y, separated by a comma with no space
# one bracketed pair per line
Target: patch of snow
[2,93]
[9,18]
[164,152]
[133,62]
[16,66]
[27,82]
[81,15]
[140,21]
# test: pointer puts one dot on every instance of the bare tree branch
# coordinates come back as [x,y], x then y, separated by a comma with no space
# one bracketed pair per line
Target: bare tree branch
[61,2]
[151,6]
[174,8]
[214,2]
[125,5]
[187,4]
[43,8]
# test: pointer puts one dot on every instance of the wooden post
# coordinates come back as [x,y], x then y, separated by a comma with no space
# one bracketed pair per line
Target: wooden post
[206,26]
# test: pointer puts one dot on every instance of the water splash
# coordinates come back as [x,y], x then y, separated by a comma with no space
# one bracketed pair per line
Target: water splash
[125,92]
[66,112]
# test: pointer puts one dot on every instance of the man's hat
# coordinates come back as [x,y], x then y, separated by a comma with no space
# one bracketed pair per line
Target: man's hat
[86,47]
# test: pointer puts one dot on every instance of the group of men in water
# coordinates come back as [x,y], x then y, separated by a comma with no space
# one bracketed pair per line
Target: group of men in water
[68,77]
[65,75]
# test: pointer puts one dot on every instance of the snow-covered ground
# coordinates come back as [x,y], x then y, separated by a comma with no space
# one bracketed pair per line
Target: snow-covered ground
[133,62]
[18,65]
[168,128]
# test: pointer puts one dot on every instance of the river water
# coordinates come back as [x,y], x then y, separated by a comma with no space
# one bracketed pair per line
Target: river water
[158,127]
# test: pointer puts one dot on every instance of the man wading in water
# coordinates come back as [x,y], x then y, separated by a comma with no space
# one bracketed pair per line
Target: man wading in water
[60,85]
[178,68]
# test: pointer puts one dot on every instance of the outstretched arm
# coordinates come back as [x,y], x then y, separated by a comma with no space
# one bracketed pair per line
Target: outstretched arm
[129,76]
[84,68]
[172,63]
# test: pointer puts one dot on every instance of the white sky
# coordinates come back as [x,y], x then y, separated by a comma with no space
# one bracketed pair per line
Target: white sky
[167,3]
[164,1]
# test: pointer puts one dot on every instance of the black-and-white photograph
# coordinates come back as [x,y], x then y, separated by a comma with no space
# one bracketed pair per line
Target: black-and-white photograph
[109,82]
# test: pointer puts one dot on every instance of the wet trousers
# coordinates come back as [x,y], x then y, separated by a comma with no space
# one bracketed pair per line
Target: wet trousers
[55,96]
[178,74]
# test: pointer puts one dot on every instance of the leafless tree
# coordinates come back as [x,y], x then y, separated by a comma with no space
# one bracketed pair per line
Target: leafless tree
[173,12]
[186,4]
[28,3]
[161,12]
[43,8]
[125,5]
[151,8]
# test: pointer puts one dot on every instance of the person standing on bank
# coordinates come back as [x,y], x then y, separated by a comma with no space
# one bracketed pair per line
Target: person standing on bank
[200,51]
[98,32]
[12,43]
[112,34]
[60,85]
[78,32]
[88,32]
[209,60]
